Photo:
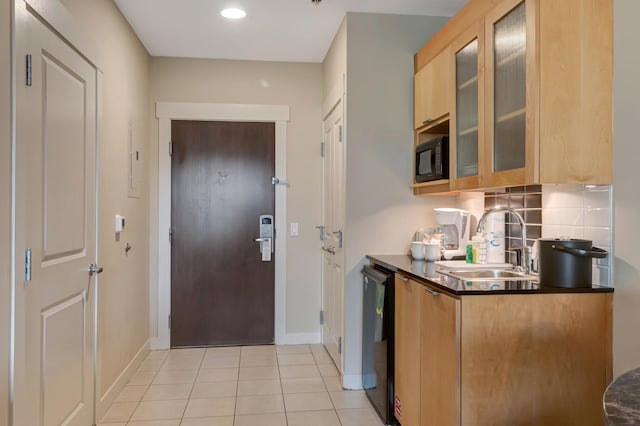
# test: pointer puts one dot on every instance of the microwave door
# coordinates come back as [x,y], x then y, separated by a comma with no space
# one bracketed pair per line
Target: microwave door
[426,163]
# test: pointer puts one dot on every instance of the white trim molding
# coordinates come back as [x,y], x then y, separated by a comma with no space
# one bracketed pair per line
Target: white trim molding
[300,339]
[105,401]
[352,381]
[167,111]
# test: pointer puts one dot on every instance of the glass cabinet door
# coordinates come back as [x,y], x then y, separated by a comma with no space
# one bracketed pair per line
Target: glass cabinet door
[467,110]
[509,91]
[467,147]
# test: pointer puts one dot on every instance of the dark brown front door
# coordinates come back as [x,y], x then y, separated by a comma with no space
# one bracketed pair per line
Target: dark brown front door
[222,293]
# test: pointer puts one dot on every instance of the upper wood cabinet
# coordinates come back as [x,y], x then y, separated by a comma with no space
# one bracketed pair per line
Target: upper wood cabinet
[543,88]
[432,91]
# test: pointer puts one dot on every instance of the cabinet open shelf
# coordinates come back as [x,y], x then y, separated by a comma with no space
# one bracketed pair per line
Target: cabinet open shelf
[439,126]
[437,187]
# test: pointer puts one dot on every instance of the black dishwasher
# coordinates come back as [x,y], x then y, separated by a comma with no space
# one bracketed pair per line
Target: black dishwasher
[378,340]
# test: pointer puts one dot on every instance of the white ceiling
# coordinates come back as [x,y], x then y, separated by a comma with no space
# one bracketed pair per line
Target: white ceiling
[273,30]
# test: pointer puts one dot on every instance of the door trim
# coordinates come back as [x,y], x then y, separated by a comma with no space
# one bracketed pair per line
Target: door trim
[167,111]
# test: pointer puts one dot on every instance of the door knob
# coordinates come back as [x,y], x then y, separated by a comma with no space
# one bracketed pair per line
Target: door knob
[94,269]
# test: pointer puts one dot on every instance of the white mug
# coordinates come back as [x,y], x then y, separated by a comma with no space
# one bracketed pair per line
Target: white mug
[432,251]
[417,250]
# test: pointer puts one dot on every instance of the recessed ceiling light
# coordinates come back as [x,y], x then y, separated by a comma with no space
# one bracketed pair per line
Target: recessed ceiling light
[233,13]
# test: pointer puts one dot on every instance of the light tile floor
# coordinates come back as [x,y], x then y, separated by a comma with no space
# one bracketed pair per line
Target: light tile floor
[294,385]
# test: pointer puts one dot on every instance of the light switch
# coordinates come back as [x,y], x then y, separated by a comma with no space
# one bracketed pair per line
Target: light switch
[294,229]
[119,223]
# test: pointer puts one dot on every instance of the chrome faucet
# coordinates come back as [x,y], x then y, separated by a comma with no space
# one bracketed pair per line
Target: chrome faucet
[525,256]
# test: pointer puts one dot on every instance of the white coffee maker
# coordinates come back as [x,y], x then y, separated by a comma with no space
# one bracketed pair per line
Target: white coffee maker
[455,223]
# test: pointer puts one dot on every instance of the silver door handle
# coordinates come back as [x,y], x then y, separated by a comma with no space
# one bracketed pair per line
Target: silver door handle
[405,279]
[94,269]
[329,249]
[433,292]
[259,240]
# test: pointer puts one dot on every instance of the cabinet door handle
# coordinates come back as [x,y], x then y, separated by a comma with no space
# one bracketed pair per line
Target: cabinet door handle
[427,121]
[405,279]
[433,292]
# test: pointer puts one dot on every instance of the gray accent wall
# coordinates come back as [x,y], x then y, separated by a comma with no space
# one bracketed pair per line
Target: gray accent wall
[626,196]
[382,213]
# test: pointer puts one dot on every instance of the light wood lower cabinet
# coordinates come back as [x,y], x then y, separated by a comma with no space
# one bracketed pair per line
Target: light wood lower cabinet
[407,351]
[439,358]
[501,359]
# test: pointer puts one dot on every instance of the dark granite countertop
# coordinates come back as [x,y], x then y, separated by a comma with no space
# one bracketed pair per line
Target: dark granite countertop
[427,271]
[622,400]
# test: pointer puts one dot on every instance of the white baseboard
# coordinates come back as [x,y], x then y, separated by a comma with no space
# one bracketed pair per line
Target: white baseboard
[352,381]
[159,343]
[299,339]
[104,402]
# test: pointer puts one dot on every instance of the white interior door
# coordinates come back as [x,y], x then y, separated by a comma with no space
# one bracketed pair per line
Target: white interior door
[56,220]
[333,221]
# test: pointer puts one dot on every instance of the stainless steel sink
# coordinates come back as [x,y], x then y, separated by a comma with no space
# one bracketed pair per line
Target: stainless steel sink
[490,274]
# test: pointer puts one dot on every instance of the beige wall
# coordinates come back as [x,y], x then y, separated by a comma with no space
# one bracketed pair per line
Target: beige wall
[244,82]
[5,170]
[124,289]
[334,66]
[626,152]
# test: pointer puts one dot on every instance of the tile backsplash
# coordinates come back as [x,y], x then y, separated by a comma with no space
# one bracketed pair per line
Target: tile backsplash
[552,211]
[581,211]
[527,201]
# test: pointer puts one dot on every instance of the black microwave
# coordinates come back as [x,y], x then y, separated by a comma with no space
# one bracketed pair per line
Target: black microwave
[432,159]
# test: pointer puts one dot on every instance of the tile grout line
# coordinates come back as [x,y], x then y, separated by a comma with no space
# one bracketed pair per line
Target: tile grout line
[193,385]
[284,407]
[148,386]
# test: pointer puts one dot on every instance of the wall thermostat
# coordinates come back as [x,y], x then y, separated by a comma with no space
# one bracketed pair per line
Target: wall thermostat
[119,223]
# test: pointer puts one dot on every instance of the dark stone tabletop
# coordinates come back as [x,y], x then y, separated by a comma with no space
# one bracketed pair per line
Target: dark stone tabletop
[622,400]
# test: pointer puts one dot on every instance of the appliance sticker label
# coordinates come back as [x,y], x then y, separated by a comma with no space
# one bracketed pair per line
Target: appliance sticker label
[397,405]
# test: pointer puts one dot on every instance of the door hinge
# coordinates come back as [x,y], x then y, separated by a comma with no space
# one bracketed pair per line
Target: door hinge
[322,149]
[27,265]
[321,317]
[340,344]
[28,76]
[169,320]
[170,148]
[340,133]
[170,235]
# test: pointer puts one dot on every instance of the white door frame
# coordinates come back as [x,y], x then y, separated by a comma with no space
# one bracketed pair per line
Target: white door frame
[167,111]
